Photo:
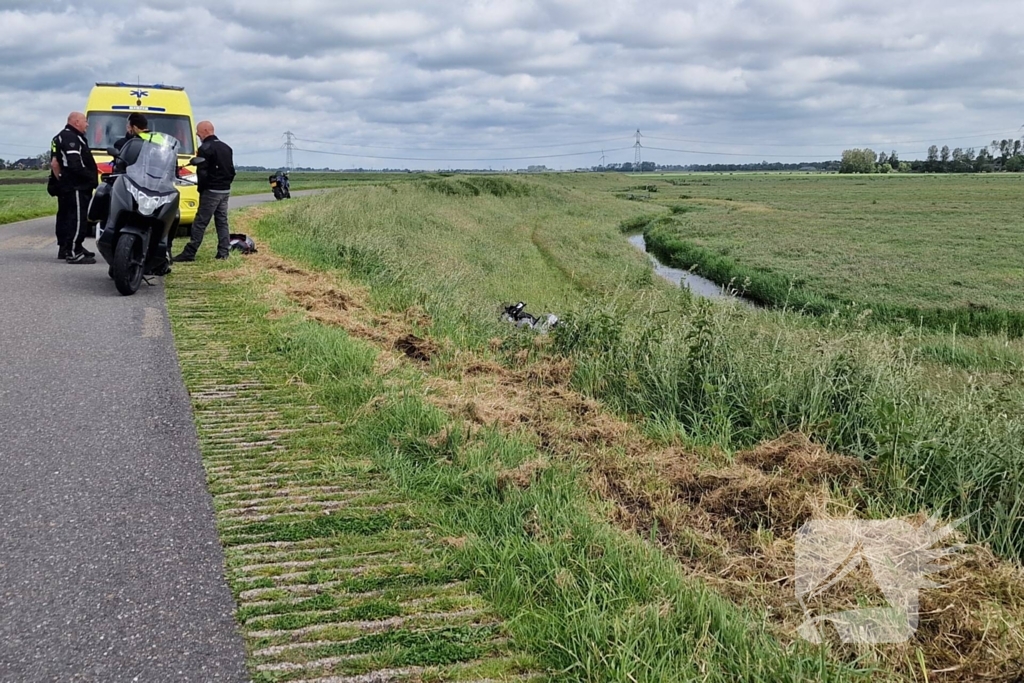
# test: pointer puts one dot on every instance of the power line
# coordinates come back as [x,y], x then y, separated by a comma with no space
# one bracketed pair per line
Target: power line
[389,158]
[289,163]
[763,156]
[257,151]
[548,156]
[826,144]
[742,154]
[637,147]
[520,146]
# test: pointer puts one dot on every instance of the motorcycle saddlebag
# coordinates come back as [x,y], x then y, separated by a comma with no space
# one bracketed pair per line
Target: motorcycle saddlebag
[99,206]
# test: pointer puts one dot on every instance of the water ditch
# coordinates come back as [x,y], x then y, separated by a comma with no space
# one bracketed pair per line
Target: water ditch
[699,286]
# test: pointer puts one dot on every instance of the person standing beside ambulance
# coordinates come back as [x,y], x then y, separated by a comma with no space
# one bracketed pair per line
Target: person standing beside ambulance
[214,176]
[74,171]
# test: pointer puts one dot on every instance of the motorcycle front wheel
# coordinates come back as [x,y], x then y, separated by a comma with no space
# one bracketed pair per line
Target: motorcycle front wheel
[127,265]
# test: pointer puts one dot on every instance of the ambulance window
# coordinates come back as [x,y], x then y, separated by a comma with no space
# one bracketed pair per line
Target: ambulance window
[178,126]
[106,128]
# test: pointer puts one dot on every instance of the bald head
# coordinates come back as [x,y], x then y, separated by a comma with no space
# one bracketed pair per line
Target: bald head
[77,120]
[204,129]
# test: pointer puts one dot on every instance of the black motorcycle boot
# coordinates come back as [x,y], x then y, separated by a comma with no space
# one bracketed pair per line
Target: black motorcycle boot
[188,253]
[81,258]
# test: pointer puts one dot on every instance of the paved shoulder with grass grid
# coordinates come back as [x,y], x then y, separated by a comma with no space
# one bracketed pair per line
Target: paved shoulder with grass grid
[337,580]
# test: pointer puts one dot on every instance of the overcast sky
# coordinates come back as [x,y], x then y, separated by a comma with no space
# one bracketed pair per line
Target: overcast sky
[474,84]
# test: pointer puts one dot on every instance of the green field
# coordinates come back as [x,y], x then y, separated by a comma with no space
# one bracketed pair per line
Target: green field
[35,175]
[23,201]
[938,250]
[705,430]
[256,182]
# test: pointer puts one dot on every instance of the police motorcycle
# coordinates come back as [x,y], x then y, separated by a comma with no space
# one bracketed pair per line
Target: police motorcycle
[279,183]
[137,210]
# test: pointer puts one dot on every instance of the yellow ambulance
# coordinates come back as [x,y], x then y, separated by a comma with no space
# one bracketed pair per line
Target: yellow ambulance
[168,111]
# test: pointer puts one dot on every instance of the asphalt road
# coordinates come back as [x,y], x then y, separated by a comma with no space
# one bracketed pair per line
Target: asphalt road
[110,565]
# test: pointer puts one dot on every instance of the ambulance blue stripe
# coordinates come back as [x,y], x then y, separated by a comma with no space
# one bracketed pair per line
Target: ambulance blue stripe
[125,107]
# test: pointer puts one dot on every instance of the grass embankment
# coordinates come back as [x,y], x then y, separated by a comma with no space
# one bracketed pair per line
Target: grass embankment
[719,376]
[944,252]
[702,381]
[370,533]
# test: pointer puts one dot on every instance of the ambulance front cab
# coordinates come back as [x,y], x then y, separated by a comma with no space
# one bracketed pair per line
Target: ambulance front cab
[168,110]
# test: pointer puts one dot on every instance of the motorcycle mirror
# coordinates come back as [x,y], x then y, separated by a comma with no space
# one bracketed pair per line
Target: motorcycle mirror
[195,161]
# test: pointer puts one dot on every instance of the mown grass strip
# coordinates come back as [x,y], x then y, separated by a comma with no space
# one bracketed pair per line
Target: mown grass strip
[454,594]
[361,584]
[321,527]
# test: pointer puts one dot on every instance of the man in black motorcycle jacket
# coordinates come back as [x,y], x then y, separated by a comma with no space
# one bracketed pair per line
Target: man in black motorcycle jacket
[215,176]
[73,172]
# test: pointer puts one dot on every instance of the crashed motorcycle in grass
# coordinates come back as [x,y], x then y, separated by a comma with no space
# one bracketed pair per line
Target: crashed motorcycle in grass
[517,315]
[138,209]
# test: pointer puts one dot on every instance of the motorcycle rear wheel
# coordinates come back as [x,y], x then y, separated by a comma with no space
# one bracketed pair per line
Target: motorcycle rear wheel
[127,265]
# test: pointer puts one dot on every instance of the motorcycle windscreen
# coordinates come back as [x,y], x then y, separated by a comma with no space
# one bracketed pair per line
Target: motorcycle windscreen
[156,166]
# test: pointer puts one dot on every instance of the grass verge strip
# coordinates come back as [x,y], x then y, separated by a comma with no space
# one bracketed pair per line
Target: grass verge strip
[334,575]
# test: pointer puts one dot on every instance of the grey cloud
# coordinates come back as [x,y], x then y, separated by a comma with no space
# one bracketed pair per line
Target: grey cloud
[482,72]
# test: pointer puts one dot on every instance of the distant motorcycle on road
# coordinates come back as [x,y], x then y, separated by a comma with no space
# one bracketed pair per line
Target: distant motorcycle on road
[281,186]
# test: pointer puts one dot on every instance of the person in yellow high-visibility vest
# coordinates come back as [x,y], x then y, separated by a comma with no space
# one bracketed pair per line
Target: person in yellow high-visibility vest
[138,129]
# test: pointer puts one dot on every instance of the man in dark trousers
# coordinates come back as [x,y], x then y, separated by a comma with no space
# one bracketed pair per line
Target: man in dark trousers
[75,172]
[215,178]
